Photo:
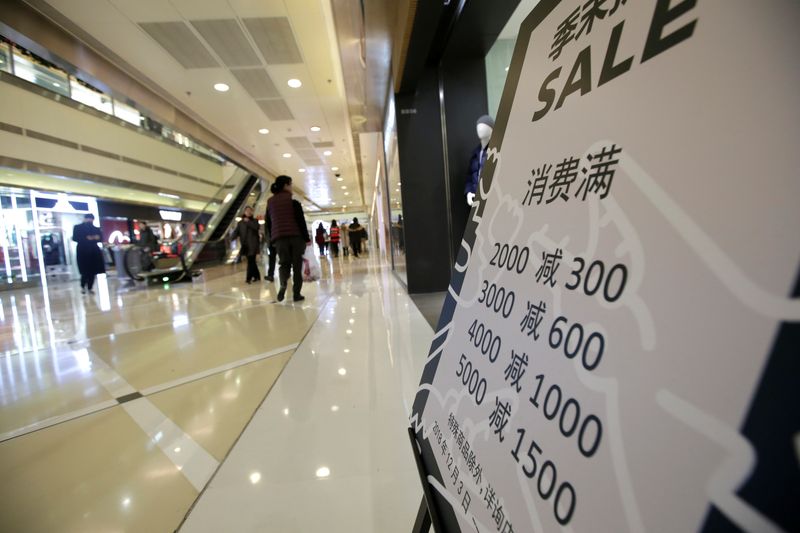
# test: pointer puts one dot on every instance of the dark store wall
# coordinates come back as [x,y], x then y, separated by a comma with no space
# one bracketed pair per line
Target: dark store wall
[442,94]
[424,192]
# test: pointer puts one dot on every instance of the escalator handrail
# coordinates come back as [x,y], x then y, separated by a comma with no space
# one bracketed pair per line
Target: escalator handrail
[227,185]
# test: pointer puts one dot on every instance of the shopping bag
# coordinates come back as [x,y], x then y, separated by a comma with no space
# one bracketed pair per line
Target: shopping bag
[311,269]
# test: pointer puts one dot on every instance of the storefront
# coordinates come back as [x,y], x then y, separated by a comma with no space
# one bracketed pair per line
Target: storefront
[121,225]
[36,234]
[450,82]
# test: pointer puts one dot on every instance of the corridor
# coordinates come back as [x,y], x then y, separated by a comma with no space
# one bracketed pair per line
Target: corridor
[125,410]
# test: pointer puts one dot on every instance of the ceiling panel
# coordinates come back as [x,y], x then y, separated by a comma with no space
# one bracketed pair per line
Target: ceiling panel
[299,143]
[275,109]
[143,10]
[310,158]
[295,38]
[256,82]
[258,8]
[178,41]
[228,41]
[275,39]
[201,9]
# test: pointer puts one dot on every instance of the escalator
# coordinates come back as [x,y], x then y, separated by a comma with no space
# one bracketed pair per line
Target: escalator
[211,246]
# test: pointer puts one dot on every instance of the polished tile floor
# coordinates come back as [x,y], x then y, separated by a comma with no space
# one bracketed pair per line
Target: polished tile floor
[208,406]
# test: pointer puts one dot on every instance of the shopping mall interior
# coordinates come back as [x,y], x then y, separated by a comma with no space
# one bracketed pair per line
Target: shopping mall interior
[181,382]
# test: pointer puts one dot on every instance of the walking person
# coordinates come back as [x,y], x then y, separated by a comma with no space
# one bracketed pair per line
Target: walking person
[247,233]
[287,227]
[269,253]
[89,255]
[335,238]
[356,234]
[149,243]
[320,239]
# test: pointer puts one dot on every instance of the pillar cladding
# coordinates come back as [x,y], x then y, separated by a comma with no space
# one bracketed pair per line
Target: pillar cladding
[425,206]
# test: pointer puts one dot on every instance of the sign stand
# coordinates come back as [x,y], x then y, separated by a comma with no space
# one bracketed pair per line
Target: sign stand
[427,515]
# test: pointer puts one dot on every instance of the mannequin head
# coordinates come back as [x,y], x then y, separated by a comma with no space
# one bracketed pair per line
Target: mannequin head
[484,128]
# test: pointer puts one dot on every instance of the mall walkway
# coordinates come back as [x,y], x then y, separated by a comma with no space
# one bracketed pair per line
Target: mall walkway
[120,412]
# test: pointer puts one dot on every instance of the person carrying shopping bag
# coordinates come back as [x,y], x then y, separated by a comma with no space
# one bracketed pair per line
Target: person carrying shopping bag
[287,227]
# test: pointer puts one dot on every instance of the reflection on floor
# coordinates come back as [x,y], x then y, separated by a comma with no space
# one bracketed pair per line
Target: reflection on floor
[116,410]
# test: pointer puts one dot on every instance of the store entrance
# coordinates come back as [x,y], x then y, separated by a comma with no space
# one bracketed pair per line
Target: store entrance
[56,216]
[58,252]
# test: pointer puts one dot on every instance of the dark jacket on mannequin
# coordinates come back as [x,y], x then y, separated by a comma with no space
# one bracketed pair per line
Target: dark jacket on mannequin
[475,166]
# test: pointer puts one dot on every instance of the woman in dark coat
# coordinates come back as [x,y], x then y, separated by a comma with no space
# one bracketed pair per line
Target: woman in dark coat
[320,238]
[357,233]
[247,232]
[90,257]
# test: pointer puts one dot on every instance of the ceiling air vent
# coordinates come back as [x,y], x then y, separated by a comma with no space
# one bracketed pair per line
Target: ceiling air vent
[275,39]
[256,82]
[228,41]
[303,147]
[178,41]
[275,109]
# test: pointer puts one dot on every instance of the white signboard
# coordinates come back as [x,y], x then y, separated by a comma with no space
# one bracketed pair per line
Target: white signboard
[174,216]
[619,348]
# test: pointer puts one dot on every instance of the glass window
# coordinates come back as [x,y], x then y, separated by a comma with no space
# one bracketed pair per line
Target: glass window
[5,57]
[90,96]
[498,60]
[127,113]
[28,67]
[393,192]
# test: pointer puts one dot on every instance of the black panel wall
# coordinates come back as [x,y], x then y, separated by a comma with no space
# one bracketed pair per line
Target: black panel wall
[464,102]
[425,217]
[437,109]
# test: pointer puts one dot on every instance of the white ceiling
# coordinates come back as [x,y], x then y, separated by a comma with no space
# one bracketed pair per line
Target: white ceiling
[236,115]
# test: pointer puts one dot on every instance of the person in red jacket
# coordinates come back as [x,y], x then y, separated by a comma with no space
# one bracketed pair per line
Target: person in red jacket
[288,232]
[335,238]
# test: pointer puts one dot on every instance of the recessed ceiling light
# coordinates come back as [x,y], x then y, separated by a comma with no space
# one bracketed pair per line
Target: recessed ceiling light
[222,87]
[323,471]
[397,190]
[327,152]
[315,128]
[342,371]
[334,168]
[301,170]
[287,155]
[506,69]
[344,186]
[339,179]
[263,131]
[294,83]
[347,194]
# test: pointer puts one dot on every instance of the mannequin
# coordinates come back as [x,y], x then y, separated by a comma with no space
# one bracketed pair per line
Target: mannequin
[484,127]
